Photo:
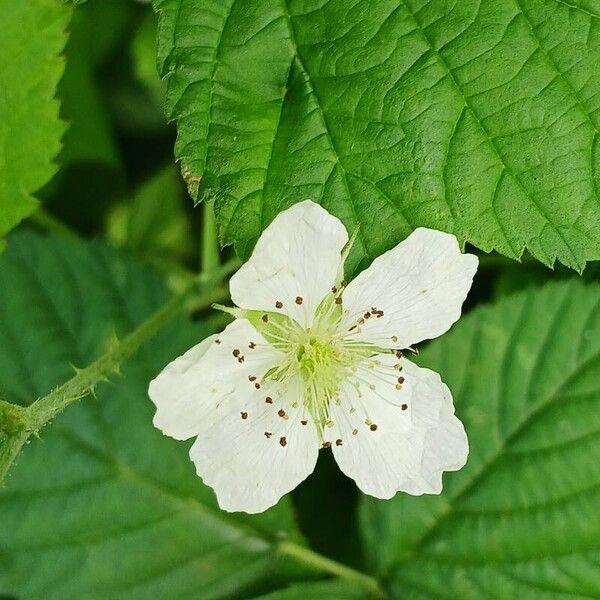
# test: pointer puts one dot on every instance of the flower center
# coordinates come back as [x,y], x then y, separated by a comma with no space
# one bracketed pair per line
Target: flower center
[321,356]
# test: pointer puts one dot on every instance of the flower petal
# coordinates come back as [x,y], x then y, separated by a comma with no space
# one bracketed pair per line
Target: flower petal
[397,439]
[419,286]
[188,389]
[178,411]
[259,449]
[294,263]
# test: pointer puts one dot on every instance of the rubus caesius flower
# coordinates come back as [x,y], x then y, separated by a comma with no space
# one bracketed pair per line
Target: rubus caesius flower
[312,362]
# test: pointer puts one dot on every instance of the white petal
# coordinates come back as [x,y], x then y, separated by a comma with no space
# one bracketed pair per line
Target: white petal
[294,263]
[178,410]
[187,390]
[417,436]
[420,285]
[257,451]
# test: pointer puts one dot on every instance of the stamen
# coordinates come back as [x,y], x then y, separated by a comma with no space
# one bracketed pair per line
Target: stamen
[269,400]
[354,431]
[244,415]
[373,427]
[282,413]
[278,304]
[251,345]
[338,442]
[268,434]
[236,352]
[299,300]
[400,379]
[304,422]
[338,300]
[326,445]
[251,377]
[283,441]
[404,407]
[265,318]
[257,385]
[217,341]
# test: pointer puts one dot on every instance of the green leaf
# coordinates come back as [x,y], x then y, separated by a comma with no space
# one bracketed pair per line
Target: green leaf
[476,117]
[105,506]
[521,519]
[334,590]
[30,129]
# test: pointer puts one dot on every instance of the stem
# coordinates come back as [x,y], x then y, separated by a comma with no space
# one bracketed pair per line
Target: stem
[327,565]
[210,244]
[18,423]
[46,408]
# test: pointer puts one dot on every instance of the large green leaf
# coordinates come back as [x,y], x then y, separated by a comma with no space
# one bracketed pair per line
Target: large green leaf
[479,117]
[30,130]
[104,506]
[521,519]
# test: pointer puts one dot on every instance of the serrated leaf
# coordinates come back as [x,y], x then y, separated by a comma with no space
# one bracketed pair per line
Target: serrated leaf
[476,117]
[104,506]
[30,129]
[521,519]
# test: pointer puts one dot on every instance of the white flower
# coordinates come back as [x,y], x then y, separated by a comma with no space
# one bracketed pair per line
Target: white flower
[312,362]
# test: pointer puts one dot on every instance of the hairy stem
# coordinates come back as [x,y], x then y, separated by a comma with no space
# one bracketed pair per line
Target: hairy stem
[321,563]
[18,423]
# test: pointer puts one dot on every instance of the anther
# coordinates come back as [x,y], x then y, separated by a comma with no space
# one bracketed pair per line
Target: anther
[268,434]
[283,441]
[251,345]
[326,445]
[278,304]
[265,318]
[398,353]
[373,427]
[400,379]
[240,359]
[338,300]
[354,431]
[299,300]
[398,386]
[244,415]
[404,407]
[236,353]
[269,400]
[344,283]
[338,442]
[257,385]
[304,422]
[394,338]
[251,377]
[217,341]
[367,315]
[334,289]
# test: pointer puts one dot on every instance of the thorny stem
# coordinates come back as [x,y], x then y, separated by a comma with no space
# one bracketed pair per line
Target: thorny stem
[18,424]
[317,561]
